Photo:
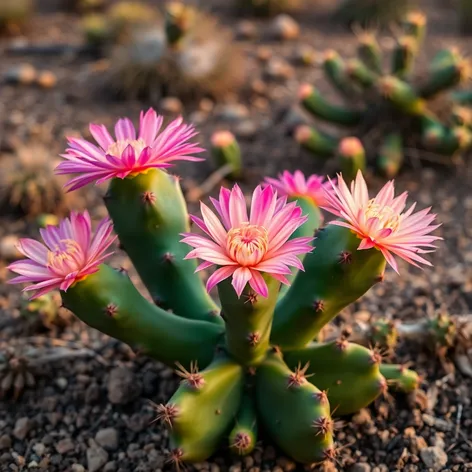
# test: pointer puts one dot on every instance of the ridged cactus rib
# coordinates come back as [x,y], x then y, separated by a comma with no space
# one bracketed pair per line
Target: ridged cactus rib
[149,214]
[400,378]
[391,156]
[248,320]
[348,372]
[336,274]
[109,302]
[200,416]
[318,106]
[243,436]
[294,412]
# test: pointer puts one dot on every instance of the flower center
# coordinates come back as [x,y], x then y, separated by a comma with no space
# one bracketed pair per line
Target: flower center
[387,216]
[117,148]
[247,244]
[66,257]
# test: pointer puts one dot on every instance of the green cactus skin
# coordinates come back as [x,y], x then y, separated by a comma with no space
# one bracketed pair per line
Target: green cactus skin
[414,25]
[443,78]
[203,409]
[149,214]
[444,58]
[463,97]
[369,52]
[399,378]
[109,302]
[318,106]
[390,157]
[334,263]
[383,333]
[360,74]
[348,372]
[404,56]
[401,95]
[318,142]
[335,70]
[243,436]
[352,157]
[248,320]
[228,154]
[445,140]
[442,330]
[294,412]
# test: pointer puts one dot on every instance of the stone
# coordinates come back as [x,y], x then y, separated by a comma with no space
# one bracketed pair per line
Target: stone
[434,458]
[22,428]
[361,467]
[97,457]
[246,29]
[171,105]
[107,438]
[5,441]
[122,386]
[284,27]
[110,467]
[39,449]
[8,248]
[64,446]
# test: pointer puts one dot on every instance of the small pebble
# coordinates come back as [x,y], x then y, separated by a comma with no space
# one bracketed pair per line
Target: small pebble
[246,30]
[8,248]
[434,458]
[64,446]
[22,427]
[46,79]
[171,105]
[107,438]
[24,74]
[284,27]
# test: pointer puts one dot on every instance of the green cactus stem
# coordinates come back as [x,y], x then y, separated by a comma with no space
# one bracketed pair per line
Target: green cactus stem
[399,378]
[404,56]
[335,263]
[202,410]
[248,320]
[351,153]
[318,142]
[295,413]
[348,372]
[369,52]
[391,156]
[445,140]
[444,58]
[414,25]
[401,95]
[360,74]
[109,302]
[464,97]
[314,102]
[226,151]
[335,70]
[149,214]
[243,436]
[178,20]
[445,77]
[383,333]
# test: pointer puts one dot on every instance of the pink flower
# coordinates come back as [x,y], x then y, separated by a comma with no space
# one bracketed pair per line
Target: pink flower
[380,222]
[130,153]
[244,246]
[70,254]
[296,185]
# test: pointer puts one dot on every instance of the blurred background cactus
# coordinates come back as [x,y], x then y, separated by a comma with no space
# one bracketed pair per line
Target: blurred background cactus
[465,17]
[391,112]
[15,14]
[267,7]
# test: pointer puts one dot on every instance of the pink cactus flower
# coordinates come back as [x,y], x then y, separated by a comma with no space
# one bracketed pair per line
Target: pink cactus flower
[69,254]
[130,153]
[381,223]
[297,185]
[245,245]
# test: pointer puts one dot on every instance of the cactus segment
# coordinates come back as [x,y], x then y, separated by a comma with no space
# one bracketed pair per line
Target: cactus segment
[404,56]
[444,58]
[318,142]
[414,25]
[369,52]
[445,77]
[317,105]
[178,20]
[384,333]
[335,263]
[348,372]
[295,413]
[335,70]
[248,320]
[149,214]
[226,151]
[401,95]
[202,416]
[243,436]
[390,157]
[360,74]
[444,140]
[399,378]
[442,330]
[109,302]
[463,97]
[352,156]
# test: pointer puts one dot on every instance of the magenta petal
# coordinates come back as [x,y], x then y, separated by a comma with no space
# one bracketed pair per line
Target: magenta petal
[218,276]
[241,277]
[258,284]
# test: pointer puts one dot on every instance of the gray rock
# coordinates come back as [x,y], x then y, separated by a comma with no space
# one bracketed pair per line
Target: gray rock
[22,428]
[5,441]
[434,458]
[110,467]
[361,467]
[77,468]
[64,446]
[107,438]
[122,386]
[97,457]
[284,27]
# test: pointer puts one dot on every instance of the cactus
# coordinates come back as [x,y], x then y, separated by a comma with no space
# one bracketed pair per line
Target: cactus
[392,110]
[15,14]
[248,362]
[267,7]
[465,16]
[226,152]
